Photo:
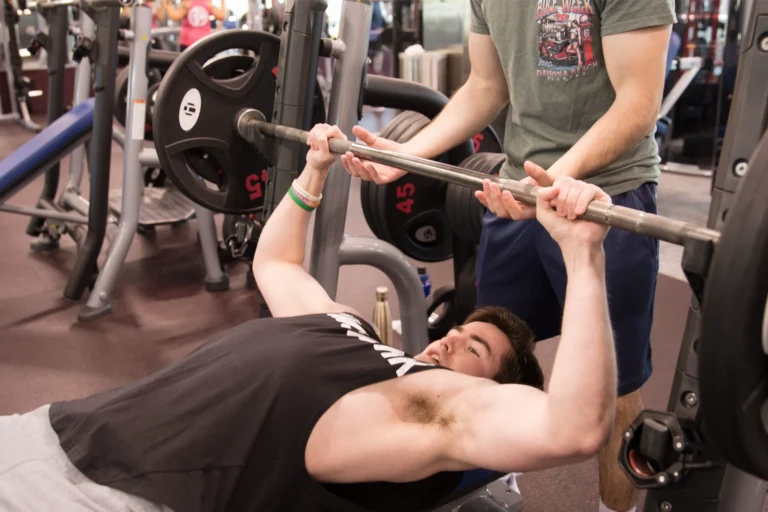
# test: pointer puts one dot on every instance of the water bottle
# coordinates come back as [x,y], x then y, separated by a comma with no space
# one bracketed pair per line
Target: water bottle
[382,316]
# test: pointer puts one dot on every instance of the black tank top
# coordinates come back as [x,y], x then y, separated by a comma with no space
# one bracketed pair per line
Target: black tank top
[225,429]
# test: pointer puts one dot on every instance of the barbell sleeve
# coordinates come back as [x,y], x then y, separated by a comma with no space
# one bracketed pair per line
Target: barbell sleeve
[656,226]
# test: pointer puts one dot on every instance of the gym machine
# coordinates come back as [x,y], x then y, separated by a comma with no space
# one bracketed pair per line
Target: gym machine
[693,458]
[706,453]
[18,85]
[65,132]
[134,204]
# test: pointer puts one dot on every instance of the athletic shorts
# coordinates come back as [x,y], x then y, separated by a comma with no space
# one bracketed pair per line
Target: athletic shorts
[37,476]
[520,267]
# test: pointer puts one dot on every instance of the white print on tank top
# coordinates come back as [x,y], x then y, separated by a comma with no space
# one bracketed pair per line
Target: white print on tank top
[197,16]
[392,355]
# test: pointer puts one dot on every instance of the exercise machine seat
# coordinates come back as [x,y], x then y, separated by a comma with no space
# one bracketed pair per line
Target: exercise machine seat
[45,149]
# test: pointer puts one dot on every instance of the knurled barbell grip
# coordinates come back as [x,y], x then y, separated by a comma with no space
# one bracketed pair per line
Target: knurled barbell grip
[656,226]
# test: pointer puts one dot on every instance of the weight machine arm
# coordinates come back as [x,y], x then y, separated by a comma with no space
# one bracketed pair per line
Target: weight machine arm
[669,453]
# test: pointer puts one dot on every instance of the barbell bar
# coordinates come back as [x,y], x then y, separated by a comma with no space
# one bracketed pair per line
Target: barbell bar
[252,125]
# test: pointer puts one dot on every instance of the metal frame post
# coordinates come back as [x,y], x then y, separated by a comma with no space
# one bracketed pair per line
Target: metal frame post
[14,113]
[389,259]
[344,112]
[723,488]
[82,92]
[296,81]
[107,20]
[133,184]
[58,23]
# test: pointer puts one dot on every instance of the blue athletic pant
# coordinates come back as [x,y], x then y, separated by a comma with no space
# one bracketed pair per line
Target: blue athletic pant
[520,267]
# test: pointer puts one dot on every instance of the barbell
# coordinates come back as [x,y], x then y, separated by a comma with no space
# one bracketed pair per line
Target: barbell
[252,126]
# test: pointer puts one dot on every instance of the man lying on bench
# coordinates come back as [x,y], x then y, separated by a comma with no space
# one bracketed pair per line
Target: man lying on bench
[307,411]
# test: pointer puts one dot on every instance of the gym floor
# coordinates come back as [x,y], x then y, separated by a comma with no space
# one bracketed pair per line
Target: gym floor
[162,312]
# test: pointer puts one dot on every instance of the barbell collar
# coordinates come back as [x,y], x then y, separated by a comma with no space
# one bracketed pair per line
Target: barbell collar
[656,226]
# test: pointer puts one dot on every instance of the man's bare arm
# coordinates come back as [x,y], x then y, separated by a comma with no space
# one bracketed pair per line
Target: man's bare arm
[278,266]
[513,427]
[475,105]
[636,62]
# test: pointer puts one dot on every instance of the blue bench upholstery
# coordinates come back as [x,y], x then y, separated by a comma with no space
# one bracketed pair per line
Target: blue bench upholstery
[470,481]
[45,149]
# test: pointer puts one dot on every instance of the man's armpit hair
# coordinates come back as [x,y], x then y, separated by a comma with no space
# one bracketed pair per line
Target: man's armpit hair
[425,410]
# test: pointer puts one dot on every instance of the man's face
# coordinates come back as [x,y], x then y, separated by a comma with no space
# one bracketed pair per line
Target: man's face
[474,349]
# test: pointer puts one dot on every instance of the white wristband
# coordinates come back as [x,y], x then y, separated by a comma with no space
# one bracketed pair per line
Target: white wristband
[304,193]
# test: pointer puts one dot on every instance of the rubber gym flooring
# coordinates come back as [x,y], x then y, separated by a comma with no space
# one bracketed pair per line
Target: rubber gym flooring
[162,312]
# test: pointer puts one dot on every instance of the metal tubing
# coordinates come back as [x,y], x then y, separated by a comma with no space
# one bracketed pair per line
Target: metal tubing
[100,150]
[50,4]
[663,228]
[133,184]
[383,91]
[6,35]
[58,22]
[128,35]
[741,491]
[330,218]
[692,65]
[148,158]
[295,77]
[45,214]
[410,292]
[82,92]
[207,230]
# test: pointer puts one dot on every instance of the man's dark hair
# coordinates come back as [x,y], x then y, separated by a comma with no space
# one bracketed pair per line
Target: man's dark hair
[519,365]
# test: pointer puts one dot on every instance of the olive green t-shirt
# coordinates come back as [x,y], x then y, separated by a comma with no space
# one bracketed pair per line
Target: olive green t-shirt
[552,55]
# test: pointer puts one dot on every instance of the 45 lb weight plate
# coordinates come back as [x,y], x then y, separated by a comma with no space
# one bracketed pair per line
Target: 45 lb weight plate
[465,212]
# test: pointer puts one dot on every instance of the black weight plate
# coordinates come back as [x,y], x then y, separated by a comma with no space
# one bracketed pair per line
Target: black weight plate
[121,92]
[400,129]
[465,212]
[369,197]
[194,122]
[121,95]
[412,214]
[411,210]
[733,367]
[151,97]
[487,141]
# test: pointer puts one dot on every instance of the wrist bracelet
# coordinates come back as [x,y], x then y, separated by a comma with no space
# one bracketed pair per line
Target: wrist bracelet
[305,199]
[301,191]
[299,202]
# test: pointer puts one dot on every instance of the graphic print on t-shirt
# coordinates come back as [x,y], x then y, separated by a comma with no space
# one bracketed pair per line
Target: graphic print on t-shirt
[565,38]
[197,16]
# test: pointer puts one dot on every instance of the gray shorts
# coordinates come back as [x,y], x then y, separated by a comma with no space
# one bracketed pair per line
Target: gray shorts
[36,475]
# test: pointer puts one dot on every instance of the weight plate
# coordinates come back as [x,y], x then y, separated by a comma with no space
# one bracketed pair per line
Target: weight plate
[410,212]
[151,98]
[487,141]
[369,191]
[733,368]
[464,211]
[195,137]
[121,95]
